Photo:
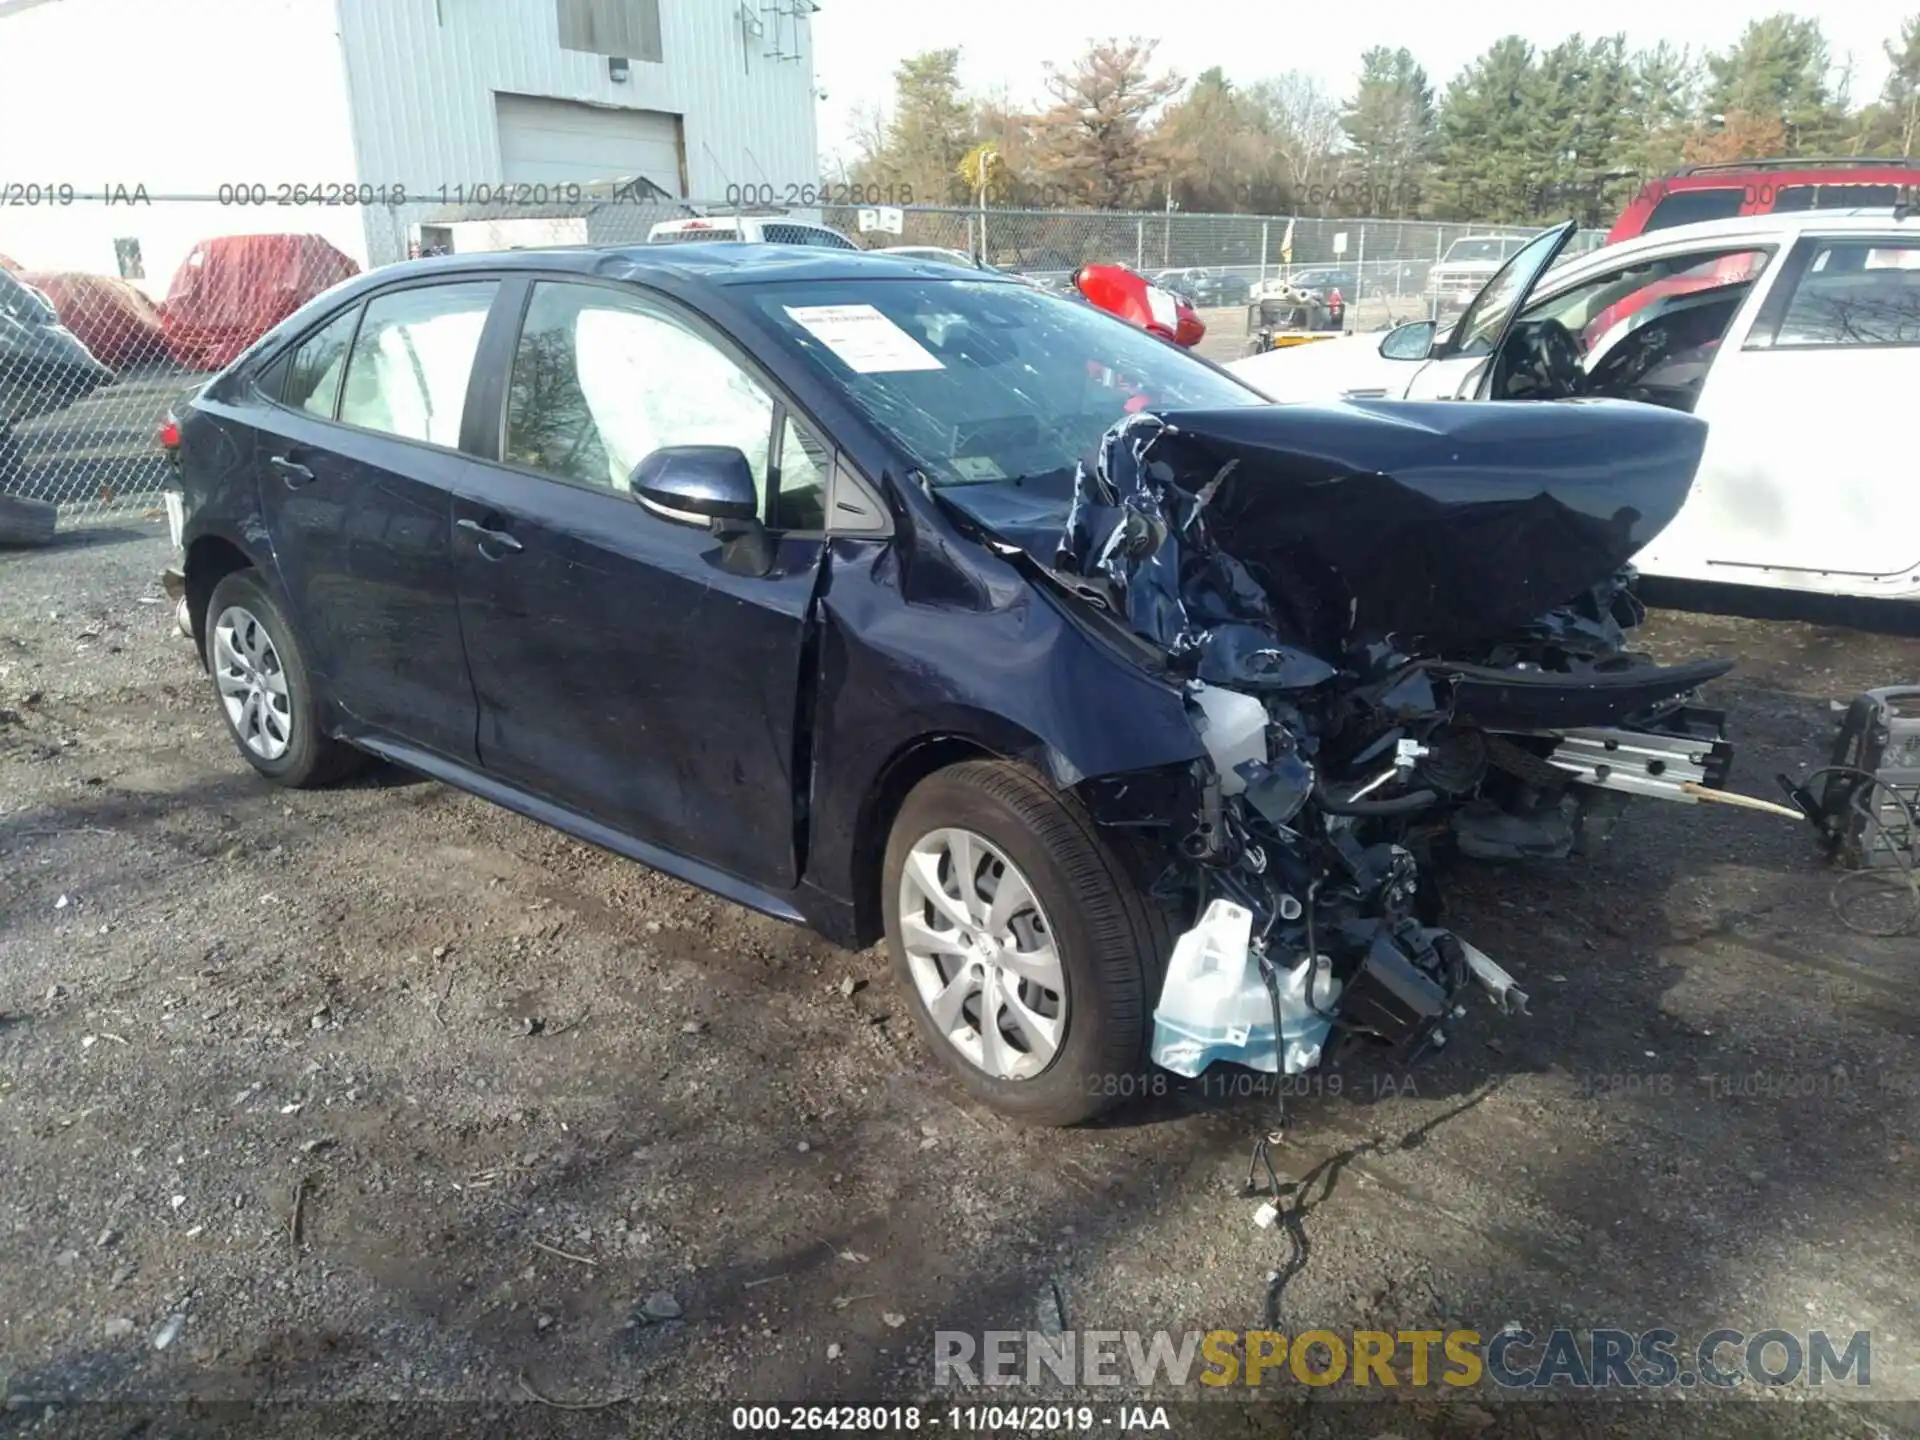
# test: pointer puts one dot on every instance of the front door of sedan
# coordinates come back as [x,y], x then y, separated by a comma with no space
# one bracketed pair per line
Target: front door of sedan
[622,669]
[356,455]
[1807,466]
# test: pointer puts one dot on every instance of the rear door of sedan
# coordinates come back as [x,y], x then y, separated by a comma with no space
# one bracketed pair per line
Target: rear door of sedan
[357,447]
[623,672]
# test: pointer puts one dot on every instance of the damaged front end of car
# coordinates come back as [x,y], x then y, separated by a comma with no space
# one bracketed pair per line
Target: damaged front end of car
[1401,631]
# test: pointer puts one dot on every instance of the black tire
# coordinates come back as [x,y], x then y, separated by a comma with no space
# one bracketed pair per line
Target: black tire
[25,522]
[1113,942]
[312,758]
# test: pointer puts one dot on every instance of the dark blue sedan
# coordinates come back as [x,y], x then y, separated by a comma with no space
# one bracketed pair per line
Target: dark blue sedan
[659,547]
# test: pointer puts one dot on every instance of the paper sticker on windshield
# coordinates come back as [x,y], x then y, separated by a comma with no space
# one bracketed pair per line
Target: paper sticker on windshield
[866,340]
[978,467]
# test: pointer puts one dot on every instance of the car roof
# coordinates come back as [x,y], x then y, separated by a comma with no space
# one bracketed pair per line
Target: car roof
[1778,227]
[1779,223]
[722,263]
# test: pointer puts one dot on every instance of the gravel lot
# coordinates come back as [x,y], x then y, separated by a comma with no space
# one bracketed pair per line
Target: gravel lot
[446,1045]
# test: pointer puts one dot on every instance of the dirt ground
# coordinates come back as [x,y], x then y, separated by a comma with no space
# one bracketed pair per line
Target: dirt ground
[382,1093]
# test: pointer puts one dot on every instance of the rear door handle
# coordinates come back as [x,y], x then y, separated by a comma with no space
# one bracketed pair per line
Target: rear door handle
[492,537]
[291,471]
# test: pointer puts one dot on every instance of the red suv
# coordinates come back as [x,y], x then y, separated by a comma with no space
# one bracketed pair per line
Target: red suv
[1760,187]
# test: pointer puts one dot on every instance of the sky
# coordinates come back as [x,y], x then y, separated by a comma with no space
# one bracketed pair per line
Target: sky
[1004,43]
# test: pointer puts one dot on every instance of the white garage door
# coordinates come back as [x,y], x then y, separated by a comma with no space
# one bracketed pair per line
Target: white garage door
[560,142]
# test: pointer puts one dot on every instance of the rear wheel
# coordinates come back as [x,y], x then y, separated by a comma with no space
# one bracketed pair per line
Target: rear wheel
[1026,948]
[265,690]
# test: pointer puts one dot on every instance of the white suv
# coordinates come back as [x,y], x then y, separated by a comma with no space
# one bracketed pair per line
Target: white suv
[749,230]
[1795,336]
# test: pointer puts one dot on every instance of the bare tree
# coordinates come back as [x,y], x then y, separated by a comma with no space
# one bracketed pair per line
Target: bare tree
[1303,123]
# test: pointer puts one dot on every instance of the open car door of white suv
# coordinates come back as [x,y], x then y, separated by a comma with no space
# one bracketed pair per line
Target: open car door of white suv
[1456,367]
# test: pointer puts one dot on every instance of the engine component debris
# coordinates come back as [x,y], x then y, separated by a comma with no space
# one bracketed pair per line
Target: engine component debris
[1403,634]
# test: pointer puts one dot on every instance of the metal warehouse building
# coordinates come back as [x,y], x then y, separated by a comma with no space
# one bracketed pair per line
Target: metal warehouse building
[143,100]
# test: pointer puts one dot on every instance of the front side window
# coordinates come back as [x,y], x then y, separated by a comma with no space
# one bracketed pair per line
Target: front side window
[412,361]
[1601,311]
[1486,320]
[313,375]
[979,380]
[1855,293]
[601,380]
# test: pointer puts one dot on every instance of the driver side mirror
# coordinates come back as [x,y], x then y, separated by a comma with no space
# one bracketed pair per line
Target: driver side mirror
[713,482]
[1412,341]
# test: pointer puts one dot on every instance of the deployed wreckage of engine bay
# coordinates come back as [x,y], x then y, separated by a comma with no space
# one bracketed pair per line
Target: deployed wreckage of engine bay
[1402,632]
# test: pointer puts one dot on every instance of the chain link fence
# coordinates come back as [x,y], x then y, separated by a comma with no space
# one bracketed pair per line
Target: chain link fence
[110,314]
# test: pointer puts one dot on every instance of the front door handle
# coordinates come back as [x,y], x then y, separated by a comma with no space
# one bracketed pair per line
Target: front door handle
[291,471]
[492,537]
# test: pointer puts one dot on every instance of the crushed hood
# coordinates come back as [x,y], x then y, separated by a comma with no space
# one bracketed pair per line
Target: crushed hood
[1344,524]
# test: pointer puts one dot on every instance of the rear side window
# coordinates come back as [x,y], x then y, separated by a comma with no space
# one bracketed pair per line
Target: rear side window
[313,375]
[1856,293]
[1833,197]
[412,360]
[1689,207]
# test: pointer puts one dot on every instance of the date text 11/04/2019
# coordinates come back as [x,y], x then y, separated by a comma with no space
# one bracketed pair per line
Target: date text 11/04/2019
[962,1419]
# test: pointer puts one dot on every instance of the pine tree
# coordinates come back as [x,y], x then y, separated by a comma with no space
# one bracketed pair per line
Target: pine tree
[1484,152]
[1662,99]
[1577,142]
[932,126]
[1209,148]
[1389,123]
[1779,68]
[1896,130]
[1094,138]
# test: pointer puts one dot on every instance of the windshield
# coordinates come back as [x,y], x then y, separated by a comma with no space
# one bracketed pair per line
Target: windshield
[1485,320]
[1481,249]
[982,380]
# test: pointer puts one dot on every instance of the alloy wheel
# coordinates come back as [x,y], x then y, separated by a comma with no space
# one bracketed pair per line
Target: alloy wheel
[982,954]
[253,683]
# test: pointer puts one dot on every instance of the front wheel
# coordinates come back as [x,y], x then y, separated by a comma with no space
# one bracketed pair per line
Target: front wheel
[1027,949]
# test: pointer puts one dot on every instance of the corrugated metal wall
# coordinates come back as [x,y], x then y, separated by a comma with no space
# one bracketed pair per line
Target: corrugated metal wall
[423,74]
